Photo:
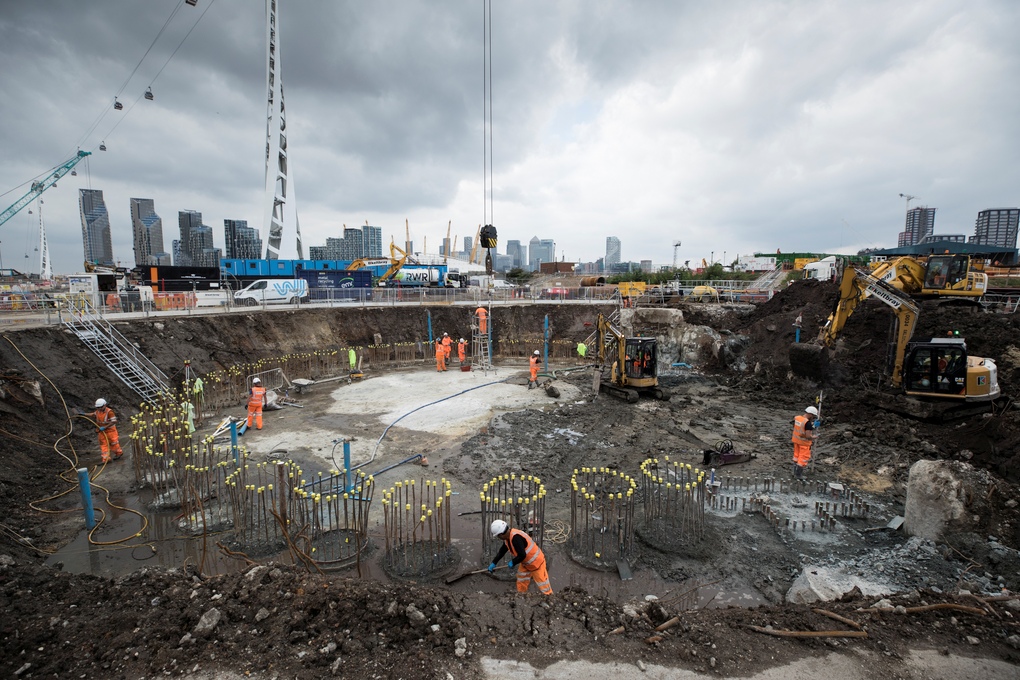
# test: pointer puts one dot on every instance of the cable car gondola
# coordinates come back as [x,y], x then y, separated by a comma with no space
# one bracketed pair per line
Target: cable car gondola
[102,146]
[149,95]
[117,105]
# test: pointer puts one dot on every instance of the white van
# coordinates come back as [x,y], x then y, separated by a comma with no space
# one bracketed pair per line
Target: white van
[272,291]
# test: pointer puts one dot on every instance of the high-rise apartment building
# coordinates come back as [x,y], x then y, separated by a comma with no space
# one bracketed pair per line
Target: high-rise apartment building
[195,248]
[371,239]
[920,223]
[147,229]
[353,245]
[95,227]
[241,241]
[613,251]
[997,227]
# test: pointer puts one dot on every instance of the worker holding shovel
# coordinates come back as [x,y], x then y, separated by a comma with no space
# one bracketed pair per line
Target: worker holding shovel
[525,553]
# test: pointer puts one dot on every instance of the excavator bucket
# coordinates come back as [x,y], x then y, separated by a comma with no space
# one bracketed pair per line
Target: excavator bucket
[809,360]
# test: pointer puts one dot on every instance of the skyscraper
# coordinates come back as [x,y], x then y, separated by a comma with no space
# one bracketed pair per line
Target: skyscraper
[195,248]
[371,239]
[147,229]
[997,227]
[242,242]
[612,252]
[353,245]
[515,250]
[540,251]
[95,228]
[188,221]
[920,223]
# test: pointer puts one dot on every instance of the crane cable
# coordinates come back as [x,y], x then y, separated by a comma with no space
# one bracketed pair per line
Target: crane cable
[487,112]
[106,110]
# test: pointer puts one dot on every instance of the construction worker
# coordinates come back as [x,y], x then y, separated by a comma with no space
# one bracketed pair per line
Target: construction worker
[440,356]
[256,400]
[461,350]
[447,348]
[524,553]
[106,429]
[482,321]
[533,367]
[803,436]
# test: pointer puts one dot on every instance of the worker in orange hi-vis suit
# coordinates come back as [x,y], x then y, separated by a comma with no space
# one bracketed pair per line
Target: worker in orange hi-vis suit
[533,367]
[256,400]
[440,356]
[447,347]
[482,321]
[106,428]
[461,350]
[804,435]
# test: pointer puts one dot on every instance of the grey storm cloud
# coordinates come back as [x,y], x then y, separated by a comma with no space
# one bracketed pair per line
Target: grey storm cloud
[735,127]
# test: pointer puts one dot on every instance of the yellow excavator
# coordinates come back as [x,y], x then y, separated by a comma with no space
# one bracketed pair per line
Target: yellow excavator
[629,362]
[939,369]
[395,263]
[948,276]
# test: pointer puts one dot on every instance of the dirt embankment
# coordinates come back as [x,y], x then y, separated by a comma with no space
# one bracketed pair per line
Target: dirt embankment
[279,621]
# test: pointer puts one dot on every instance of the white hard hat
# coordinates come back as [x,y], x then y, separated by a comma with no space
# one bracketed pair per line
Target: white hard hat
[100,403]
[537,352]
[812,410]
[445,333]
[256,381]
[498,527]
[462,340]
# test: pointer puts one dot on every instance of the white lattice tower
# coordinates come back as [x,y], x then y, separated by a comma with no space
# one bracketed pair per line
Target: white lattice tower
[45,268]
[283,232]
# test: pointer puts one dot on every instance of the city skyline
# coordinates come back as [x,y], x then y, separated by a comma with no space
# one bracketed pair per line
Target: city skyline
[741,127]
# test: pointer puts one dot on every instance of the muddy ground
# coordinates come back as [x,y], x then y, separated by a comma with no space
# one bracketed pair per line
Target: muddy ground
[279,621]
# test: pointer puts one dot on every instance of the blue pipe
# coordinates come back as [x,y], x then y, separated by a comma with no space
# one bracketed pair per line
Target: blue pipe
[86,497]
[545,345]
[406,460]
[428,314]
[347,465]
[797,336]
[233,442]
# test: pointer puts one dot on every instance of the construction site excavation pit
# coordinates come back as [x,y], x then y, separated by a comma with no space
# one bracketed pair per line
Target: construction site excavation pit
[717,551]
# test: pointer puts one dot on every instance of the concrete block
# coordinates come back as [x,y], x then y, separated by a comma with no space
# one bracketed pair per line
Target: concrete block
[938,494]
[824,584]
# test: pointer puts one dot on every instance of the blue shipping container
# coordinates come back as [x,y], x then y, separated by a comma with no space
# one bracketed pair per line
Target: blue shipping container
[339,284]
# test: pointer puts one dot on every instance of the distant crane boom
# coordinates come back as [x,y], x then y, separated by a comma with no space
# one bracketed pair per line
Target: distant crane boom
[39,187]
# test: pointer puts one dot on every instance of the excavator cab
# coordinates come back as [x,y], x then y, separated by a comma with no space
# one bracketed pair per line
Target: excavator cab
[945,272]
[942,368]
[640,360]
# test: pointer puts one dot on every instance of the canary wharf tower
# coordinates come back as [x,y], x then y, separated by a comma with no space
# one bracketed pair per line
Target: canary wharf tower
[280,218]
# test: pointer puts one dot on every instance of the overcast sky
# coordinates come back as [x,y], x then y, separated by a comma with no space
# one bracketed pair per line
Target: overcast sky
[734,127]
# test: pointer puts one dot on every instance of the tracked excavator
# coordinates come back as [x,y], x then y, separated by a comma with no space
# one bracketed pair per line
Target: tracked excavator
[939,370]
[627,365]
[940,276]
[398,258]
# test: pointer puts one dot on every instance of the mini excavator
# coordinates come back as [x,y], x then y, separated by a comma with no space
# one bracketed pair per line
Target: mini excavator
[627,365]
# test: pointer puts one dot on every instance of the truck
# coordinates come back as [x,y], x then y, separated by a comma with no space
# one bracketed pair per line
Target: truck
[272,291]
[109,288]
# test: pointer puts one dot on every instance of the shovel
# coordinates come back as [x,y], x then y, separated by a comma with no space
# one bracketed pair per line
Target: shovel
[454,579]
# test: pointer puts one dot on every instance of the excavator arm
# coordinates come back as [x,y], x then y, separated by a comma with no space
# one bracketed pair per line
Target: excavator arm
[855,287]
